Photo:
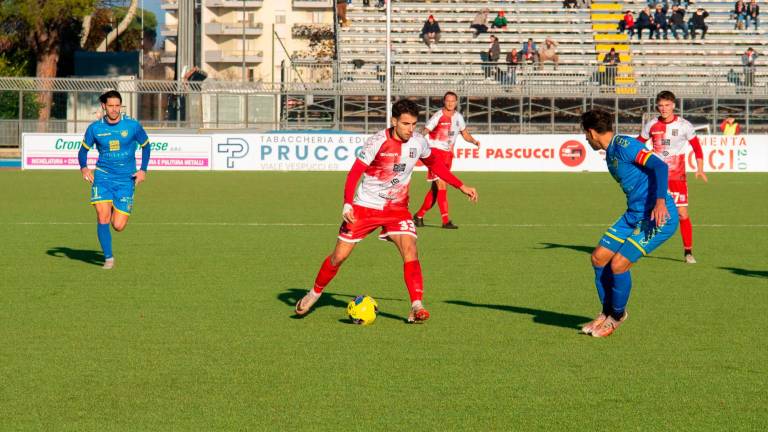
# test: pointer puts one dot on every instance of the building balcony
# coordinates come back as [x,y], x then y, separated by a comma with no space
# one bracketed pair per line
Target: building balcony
[168,57]
[233,56]
[313,4]
[170,5]
[234,4]
[169,30]
[233,29]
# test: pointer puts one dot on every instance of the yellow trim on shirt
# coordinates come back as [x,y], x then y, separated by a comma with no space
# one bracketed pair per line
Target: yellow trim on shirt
[145,143]
[84,145]
[100,201]
[637,246]
[614,237]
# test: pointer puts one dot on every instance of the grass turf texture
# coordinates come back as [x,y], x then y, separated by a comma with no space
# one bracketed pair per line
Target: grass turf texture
[193,329]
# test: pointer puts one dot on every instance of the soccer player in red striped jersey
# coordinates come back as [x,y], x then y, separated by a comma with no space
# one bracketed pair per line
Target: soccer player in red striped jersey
[668,135]
[441,131]
[385,165]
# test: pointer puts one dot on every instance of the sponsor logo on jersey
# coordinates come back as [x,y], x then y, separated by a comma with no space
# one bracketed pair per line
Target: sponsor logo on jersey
[104,134]
[412,153]
[674,132]
[388,154]
[398,167]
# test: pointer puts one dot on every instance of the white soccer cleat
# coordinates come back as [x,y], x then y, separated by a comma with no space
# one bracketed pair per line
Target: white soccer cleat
[689,259]
[609,326]
[109,263]
[304,305]
[589,327]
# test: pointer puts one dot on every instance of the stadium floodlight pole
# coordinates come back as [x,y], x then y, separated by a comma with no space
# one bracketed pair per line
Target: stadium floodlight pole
[243,72]
[388,70]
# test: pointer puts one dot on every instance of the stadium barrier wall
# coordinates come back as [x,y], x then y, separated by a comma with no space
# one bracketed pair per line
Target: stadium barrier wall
[336,151]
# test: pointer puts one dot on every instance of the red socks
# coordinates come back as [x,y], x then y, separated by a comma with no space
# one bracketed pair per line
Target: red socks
[686,230]
[413,279]
[442,202]
[325,275]
[429,202]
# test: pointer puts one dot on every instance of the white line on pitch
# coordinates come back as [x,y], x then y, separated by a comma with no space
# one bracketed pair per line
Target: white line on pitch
[282,224]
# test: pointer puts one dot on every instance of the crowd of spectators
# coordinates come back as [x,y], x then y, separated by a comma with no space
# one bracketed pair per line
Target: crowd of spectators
[658,19]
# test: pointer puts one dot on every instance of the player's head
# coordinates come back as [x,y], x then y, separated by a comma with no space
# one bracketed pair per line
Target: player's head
[111,103]
[450,100]
[405,114]
[596,124]
[665,104]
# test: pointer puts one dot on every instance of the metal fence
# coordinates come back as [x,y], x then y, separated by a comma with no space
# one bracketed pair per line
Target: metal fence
[495,98]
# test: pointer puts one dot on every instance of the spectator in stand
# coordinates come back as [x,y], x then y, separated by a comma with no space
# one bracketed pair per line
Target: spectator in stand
[748,59]
[500,21]
[513,61]
[341,12]
[753,13]
[697,23]
[740,15]
[660,20]
[570,4]
[494,54]
[479,24]
[644,21]
[430,32]
[529,52]
[611,61]
[549,53]
[677,21]
[628,23]
[729,126]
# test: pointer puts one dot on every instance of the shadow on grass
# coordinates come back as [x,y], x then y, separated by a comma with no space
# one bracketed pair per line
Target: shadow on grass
[86,256]
[589,249]
[539,316]
[748,273]
[338,300]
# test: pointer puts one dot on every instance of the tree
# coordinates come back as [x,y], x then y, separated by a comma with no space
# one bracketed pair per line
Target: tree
[15,64]
[100,23]
[38,24]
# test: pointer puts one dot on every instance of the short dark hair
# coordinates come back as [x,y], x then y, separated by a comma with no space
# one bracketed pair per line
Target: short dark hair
[405,106]
[109,95]
[450,93]
[597,119]
[666,95]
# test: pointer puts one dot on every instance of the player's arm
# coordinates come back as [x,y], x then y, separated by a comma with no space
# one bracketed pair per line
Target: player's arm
[438,167]
[660,170]
[469,138]
[354,175]
[82,155]
[143,140]
[694,142]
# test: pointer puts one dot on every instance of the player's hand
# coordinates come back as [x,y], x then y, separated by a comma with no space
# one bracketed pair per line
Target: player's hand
[348,213]
[660,214]
[700,174]
[470,192]
[139,177]
[87,174]
[477,143]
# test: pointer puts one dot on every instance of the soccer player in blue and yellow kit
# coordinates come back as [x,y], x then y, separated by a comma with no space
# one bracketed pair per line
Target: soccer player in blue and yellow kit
[650,219]
[116,137]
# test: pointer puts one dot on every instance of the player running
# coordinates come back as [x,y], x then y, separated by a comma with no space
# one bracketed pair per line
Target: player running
[116,137]
[669,134]
[441,130]
[650,219]
[381,201]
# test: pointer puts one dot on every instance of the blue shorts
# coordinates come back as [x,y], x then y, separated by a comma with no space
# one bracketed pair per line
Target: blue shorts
[117,190]
[635,235]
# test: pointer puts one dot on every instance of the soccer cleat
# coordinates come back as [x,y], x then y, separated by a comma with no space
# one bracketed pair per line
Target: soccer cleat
[589,327]
[609,326]
[689,259]
[418,221]
[418,315]
[109,263]
[305,304]
[450,225]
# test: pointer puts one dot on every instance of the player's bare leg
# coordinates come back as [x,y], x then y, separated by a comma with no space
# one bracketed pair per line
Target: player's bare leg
[327,271]
[686,233]
[414,280]
[442,203]
[119,220]
[103,218]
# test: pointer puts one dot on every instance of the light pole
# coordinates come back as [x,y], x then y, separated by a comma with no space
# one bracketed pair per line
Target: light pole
[243,40]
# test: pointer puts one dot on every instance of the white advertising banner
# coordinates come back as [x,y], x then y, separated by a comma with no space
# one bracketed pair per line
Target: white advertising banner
[169,152]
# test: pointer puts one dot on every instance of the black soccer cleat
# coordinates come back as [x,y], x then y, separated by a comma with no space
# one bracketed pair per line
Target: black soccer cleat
[450,225]
[419,222]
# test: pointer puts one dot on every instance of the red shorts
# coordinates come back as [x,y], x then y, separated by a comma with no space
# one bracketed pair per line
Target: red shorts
[392,222]
[443,155]
[679,191]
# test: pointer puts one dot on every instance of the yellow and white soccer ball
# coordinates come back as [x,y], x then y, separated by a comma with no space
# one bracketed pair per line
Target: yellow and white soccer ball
[362,310]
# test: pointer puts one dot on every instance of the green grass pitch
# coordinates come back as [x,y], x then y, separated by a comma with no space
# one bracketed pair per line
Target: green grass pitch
[193,329]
